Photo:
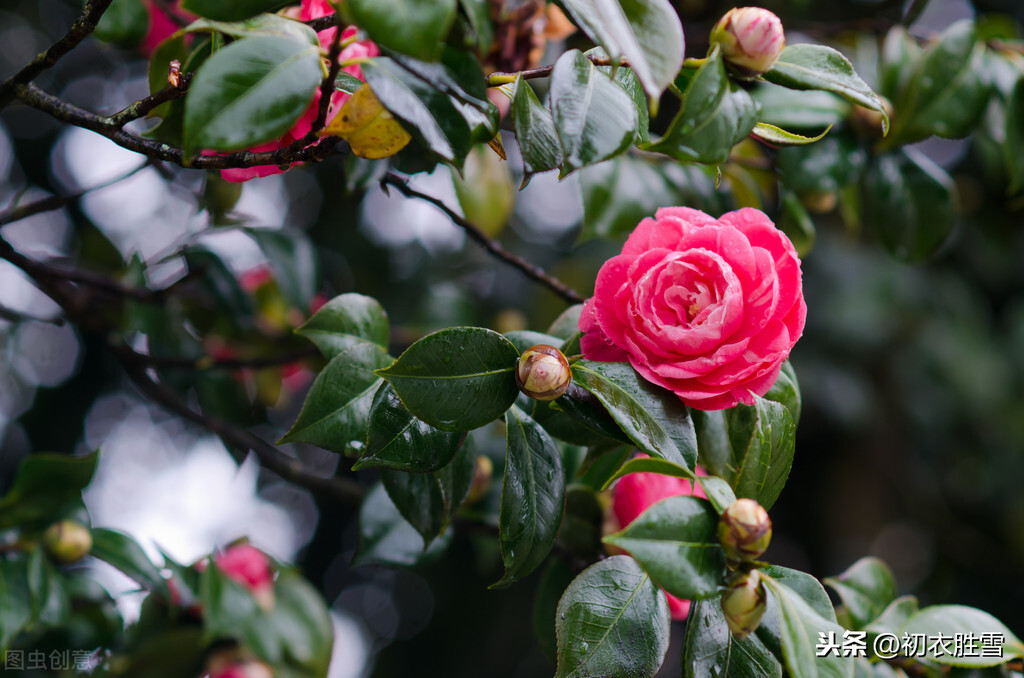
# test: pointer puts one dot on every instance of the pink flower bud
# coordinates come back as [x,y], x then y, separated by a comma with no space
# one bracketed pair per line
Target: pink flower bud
[250,567]
[751,39]
[246,669]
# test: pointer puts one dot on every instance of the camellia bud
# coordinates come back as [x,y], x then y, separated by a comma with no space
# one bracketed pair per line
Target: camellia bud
[751,39]
[743,603]
[745,530]
[543,373]
[67,541]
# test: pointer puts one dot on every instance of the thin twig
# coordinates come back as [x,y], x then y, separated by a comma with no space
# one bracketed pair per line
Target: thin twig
[326,87]
[142,107]
[82,27]
[494,247]
[208,362]
[502,78]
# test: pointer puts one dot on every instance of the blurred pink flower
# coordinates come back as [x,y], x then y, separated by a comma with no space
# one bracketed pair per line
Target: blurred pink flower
[635,493]
[250,567]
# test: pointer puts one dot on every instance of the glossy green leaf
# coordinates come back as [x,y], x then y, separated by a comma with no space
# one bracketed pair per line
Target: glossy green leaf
[172,113]
[250,92]
[893,617]
[817,67]
[557,423]
[676,542]
[900,59]
[776,136]
[786,390]
[535,131]
[798,626]
[710,649]
[790,109]
[456,379]
[950,620]
[715,115]
[1014,146]
[595,119]
[524,339]
[648,465]
[751,446]
[345,321]
[567,323]
[386,538]
[583,522]
[610,606]
[50,602]
[806,586]
[478,12]
[293,260]
[647,33]
[429,114]
[43,486]
[910,201]
[585,409]
[420,498]
[653,418]
[124,23]
[16,611]
[626,77]
[948,90]
[261,25]
[338,404]
[457,74]
[718,492]
[829,165]
[532,496]
[125,554]
[866,589]
[232,10]
[408,26]
[397,440]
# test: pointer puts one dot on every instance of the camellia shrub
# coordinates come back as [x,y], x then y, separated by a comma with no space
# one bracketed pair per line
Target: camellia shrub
[617,463]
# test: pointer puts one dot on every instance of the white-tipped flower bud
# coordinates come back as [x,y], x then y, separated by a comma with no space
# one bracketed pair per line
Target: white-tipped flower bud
[743,603]
[543,373]
[751,39]
[67,541]
[745,530]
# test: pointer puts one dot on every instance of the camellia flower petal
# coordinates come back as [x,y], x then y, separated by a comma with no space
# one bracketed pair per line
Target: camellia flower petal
[708,308]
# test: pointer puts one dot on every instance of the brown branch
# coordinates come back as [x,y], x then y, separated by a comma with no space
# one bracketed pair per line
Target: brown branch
[492,246]
[142,107]
[208,362]
[502,77]
[271,458]
[326,87]
[83,26]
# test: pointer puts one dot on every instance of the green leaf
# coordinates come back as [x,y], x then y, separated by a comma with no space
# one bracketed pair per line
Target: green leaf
[124,23]
[612,622]
[386,538]
[779,137]
[788,108]
[718,491]
[900,59]
[947,91]
[478,12]
[338,404]
[806,586]
[43,487]
[408,26]
[16,611]
[1014,146]
[751,446]
[866,588]
[235,10]
[676,542]
[893,617]
[910,200]
[172,653]
[950,620]
[797,627]
[293,261]
[456,379]
[50,602]
[250,92]
[345,321]
[524,339]
[817,67]
[583,522]
[626,77]
[646,32]
[532,497]
[829,165]
[535,131]
[262,25]
[431,116]
[567,324]
[710,649]
[301,620]
[653,418]
[715,115]
[786,390]
[397,440]
[619,193]
[125,554]
[594,118]
[587,411]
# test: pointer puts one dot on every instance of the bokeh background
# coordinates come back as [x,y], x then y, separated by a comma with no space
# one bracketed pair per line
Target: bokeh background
[911,445]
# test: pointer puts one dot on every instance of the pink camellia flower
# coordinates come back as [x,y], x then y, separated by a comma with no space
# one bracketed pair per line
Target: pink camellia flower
[635,493]
[309,9]
[751,38]
[243,669]
[161,26]
[707,308]
[250,567]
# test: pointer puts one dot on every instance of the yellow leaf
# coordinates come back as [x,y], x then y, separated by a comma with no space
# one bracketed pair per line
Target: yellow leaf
[368,127]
